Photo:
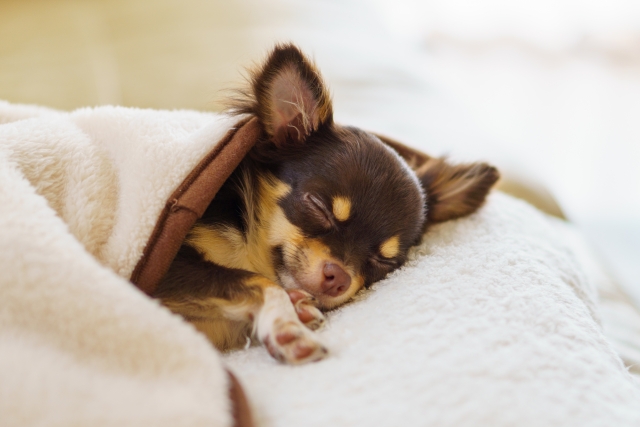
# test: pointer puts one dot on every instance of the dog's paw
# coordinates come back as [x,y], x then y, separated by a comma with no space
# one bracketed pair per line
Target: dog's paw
[290,342]
[305,305]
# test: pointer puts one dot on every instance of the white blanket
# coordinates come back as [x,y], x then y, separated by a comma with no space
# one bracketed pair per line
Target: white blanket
[493,322]
[79,345]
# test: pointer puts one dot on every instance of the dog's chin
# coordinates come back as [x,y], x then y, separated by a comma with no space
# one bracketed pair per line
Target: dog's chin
[288,280]
[327,302]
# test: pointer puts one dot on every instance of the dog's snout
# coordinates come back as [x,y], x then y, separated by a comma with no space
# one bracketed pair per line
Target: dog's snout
[336,280]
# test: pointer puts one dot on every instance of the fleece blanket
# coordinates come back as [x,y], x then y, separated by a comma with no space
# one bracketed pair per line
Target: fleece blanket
[89,201]
[494,321]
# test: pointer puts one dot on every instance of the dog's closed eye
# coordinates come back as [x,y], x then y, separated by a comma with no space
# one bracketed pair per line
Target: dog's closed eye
[379,267]
[318,212]
[383,262]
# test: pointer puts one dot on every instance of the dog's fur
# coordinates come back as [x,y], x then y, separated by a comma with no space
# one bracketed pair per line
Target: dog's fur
[314,213]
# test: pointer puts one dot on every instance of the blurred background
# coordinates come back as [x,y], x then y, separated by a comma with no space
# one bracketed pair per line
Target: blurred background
[548,90]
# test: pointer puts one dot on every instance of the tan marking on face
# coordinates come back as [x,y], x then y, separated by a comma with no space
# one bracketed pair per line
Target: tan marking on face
[282,232]
[278,189]
[304,259]
[390,247]
[357,282]
[341,208]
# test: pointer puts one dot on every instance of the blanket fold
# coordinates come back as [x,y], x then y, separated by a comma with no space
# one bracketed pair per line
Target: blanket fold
[493,321]
[189,201]
[81,195]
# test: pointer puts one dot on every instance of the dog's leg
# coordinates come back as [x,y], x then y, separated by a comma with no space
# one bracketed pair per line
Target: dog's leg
[228,305]
[279,327]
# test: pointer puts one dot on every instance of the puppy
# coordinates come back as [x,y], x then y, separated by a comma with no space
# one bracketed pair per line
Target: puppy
[314,213]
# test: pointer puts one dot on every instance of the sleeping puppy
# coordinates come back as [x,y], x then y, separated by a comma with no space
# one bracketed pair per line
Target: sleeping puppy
[314,213]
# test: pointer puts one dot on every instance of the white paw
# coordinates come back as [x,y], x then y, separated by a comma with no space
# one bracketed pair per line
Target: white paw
[291,342]
[305,305]
[280,329]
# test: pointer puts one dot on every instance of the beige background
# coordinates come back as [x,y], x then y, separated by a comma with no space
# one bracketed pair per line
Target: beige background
[549,96]
[160,54]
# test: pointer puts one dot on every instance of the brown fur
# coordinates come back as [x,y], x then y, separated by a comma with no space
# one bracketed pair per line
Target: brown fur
[316,209]
[288,72]
[454,191]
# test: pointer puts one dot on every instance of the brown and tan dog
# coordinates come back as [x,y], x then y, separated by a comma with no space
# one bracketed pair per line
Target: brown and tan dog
[314,213]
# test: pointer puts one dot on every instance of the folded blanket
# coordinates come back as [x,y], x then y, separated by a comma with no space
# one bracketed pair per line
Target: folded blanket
[82,194]
[494,321]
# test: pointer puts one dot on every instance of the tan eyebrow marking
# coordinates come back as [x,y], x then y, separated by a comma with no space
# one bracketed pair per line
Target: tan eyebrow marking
[390,247]
[280,189]
[341,208]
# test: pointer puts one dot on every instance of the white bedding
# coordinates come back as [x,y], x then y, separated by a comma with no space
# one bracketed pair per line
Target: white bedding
[80,194]
[494,321]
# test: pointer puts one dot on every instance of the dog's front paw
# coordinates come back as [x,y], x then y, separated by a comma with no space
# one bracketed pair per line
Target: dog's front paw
[282,332]
[305,305]
[290,342]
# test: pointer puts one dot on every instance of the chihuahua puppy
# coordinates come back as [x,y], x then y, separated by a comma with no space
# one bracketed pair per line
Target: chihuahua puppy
[314,213]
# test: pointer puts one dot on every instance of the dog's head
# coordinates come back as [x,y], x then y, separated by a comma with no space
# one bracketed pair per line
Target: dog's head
[347,205]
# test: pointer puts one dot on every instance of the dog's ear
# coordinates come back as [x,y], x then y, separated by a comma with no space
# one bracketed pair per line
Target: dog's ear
[288,96]
[454,191]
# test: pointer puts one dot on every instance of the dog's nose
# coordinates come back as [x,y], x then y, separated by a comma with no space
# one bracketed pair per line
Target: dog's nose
[336,280]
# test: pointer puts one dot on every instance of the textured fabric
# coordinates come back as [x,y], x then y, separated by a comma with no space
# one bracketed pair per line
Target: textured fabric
[493,322]
[80,194]
[189,202]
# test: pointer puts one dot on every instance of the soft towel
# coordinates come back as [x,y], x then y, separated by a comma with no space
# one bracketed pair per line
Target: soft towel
[81,194]
[493,322]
